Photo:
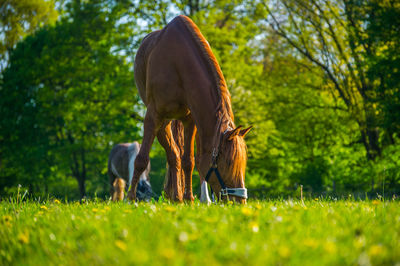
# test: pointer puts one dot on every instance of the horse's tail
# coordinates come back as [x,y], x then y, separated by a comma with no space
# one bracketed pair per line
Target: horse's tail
[178,135]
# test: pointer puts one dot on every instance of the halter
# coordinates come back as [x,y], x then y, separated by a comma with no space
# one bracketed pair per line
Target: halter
[225,191]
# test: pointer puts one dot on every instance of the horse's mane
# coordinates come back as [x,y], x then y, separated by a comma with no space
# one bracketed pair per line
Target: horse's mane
[235,152]
[236,156]
[224,109]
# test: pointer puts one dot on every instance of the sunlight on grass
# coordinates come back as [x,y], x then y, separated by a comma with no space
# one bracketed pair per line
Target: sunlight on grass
[314,232]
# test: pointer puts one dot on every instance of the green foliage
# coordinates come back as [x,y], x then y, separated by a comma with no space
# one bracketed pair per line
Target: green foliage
[318,80]
[333,36]
[66,99]
[384,61]
[314,232]
[19,18]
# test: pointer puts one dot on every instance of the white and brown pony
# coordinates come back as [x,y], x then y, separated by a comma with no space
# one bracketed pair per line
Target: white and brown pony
[121,169]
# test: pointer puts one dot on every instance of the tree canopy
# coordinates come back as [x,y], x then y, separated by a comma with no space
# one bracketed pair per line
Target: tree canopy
[318,80]
[19,18]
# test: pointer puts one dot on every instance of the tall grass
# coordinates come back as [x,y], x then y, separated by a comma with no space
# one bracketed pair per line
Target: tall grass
[276,232]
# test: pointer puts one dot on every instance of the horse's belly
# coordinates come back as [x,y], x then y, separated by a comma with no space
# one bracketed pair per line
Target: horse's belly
[167,96]
[172,110]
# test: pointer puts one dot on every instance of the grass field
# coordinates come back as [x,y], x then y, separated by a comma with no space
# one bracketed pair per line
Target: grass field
[316,232]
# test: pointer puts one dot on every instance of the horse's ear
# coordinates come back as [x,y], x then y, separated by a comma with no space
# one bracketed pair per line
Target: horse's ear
[233,133]
[244,132]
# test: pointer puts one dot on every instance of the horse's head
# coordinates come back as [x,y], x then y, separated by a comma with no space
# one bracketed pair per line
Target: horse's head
[230,164]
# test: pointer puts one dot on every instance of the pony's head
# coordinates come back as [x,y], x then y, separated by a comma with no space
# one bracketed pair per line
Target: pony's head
[231,161]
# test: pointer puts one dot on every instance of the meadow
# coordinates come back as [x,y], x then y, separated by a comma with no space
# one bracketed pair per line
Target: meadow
[276,232]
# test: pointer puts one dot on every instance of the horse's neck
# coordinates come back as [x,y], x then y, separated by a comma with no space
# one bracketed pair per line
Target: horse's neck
[211,130]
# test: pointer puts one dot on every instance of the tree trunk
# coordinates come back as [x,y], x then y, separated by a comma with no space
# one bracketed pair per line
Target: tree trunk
[194,7]
[82,187]
[370,139]
[78,167]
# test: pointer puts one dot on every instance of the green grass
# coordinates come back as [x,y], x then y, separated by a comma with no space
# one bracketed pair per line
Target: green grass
[261,233]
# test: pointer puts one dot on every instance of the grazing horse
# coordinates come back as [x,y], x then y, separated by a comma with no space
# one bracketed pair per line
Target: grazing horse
[178,77]
[121,169]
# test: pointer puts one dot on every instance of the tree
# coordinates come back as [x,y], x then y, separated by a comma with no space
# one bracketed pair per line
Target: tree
[330,35]
[67,98]
[19,18]
[318,79]
[383,19]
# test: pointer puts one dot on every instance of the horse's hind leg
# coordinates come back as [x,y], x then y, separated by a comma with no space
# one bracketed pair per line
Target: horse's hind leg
[151,126]
[173,182]
[111,178]
[188,157]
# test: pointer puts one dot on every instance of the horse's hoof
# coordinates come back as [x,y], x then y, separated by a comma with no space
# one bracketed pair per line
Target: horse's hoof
[131,196]
[188,198]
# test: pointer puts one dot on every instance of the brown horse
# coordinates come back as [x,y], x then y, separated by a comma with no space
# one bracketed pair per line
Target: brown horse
[178,77]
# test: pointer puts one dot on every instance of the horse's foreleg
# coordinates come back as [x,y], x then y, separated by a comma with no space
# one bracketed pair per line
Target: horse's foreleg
[151,125]
[172,182]
[204,197]
[188,157]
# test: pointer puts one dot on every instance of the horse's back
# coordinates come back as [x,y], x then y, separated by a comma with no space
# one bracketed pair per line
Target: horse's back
[133,148]
[140,67]
[170,66]
[119,159]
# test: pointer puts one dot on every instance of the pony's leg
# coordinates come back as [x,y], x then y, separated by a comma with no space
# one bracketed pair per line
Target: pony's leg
[188,157]
[111,178]
[119,189]
[166,140]
[151,125]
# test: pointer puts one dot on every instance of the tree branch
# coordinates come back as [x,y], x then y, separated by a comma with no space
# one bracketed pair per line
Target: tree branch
[307,54]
